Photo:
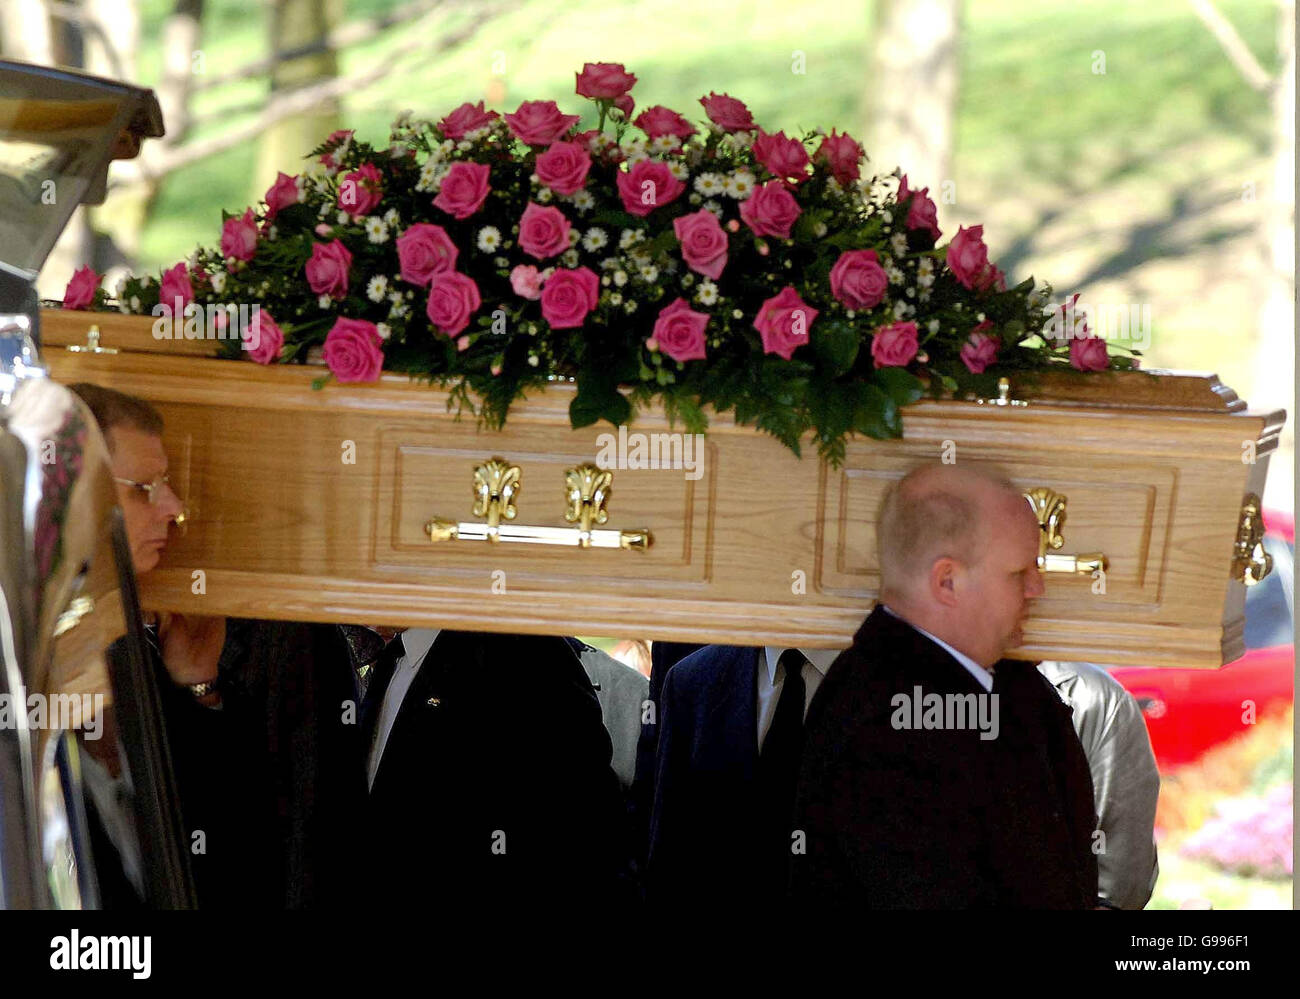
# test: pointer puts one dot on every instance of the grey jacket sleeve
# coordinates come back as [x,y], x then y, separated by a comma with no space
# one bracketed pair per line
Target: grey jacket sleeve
[1126,783]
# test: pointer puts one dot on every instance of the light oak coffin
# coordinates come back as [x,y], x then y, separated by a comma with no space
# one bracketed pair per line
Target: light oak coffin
[761,548]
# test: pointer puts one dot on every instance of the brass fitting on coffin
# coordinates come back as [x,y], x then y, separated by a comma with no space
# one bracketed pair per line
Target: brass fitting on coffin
[1049,508]
[497,484]
[1250,563]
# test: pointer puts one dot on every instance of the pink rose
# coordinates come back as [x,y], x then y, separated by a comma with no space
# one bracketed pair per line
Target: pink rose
[543,231]
[424,250]
[539,123]
[239,237]
[646,186]
[281,194]
[783,322]
[327,270]
[352,351]
[923,214]
[569,296]
[981,349]
[361,190]
[727,113]
[659,120]
[770,211]
[563,167]
[526,280]
[263,339]
[858,281]
[679,332]
[625,104]
[1089,354]
[464,119]
[894,345]
[464,189]
[704,244]
[80,293]
[782,157]
[603,79]
[968,258]
[453,298]
[842,155]
[176,285]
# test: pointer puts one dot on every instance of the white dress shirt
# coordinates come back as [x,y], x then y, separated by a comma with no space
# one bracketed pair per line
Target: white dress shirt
[769,687]
[982,676]
[416,643]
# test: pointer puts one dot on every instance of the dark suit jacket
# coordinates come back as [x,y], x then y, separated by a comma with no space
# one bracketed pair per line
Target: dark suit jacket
[939,818]
[705,839]
[498,746]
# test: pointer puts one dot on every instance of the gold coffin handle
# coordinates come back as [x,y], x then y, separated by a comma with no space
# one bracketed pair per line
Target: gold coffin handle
[1250,563]
[1049,508]
[91,345]
[497,484]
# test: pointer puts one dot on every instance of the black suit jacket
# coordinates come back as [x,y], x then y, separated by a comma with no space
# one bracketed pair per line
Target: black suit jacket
[495,783]
[908,818]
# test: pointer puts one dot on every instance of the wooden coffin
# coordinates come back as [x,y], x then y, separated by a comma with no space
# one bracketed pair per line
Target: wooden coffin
[755,547]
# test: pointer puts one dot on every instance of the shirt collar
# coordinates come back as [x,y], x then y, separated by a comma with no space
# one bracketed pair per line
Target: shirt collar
[983,676]
[820,658]
[417,642]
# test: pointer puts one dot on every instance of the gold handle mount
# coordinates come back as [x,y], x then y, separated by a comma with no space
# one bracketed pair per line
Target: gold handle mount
[1250,562]
[1049,508]
[497,484]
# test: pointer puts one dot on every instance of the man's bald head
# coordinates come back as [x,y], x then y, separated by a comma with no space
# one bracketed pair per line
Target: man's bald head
[937,511]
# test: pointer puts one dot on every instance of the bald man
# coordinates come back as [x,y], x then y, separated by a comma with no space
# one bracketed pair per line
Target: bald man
[936,774]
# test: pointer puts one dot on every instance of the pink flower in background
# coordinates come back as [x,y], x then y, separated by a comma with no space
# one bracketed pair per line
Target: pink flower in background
[646,186]
[894,345]
[80,293]
[1089,354]
[679,332]
[539,123]
[923,213]
[563,166]
[625,104]
[526,280]
[770,211]
[842,154]
[239,236]
[704,244]
[327,270]
[361,190]
[543,231]
[337,138]
[981,349]
[453,299]
[858,281]
[176,284]
[424,250]
[281,194]
[568,297]
[352,351]
[659,120]
[264,339]
[464,189]
[464,119]
[727,113]
[968,257]
[781,156]
[784,322]
[604,79]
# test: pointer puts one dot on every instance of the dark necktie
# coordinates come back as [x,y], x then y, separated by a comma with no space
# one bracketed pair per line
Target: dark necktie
[779,759]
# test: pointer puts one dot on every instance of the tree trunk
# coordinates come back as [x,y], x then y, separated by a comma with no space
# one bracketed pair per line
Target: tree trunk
[912,79]
[25,31]
[296,23]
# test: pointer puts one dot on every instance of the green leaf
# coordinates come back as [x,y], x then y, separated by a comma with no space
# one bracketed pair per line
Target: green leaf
[597,399]
[900,385]
[877,415]
[836,345]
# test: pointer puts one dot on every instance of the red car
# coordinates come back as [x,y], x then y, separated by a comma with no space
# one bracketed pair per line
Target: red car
[1188,711]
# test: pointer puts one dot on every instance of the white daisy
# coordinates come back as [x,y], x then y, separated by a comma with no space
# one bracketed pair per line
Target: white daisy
[377,288]
[376,231]
[627,237]
[391,218]
[714,207]
[707,293]
[464,145]
[898,242]
[629,306]
[665,143]
[583,200]
[384,330]
[709,184]
[620,277]
[615,298]
[737,314]
[569,258]
[649,273]
[544,196]
[679,169]
[575,235]
[342,218]
[739,185]
[489,238]
[595,239]
[688,280]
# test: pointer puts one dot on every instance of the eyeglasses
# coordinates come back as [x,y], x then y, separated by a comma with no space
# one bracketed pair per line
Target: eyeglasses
[152,491]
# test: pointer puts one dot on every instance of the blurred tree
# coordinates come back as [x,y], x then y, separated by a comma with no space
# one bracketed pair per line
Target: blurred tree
[911,88]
